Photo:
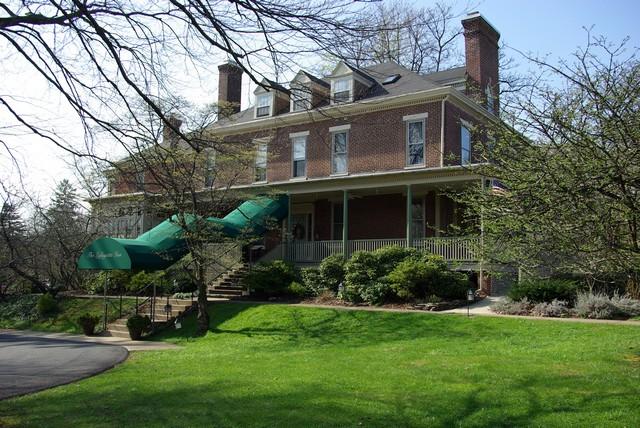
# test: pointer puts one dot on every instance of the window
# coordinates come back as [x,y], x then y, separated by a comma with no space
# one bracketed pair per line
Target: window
[261,162]
[339,152]
[342,91]
[491,101]
[301,99]
[300,156]
[263,105]
[139,182]
[417,218]
[337,222]
[465,145]
[210,164]
[415,142]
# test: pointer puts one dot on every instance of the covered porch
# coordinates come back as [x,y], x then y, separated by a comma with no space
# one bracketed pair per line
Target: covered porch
[377,213]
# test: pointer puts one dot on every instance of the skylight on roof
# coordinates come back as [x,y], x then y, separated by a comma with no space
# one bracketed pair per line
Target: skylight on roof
[391,79]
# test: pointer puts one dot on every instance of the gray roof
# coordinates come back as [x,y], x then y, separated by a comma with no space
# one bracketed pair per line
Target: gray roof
[409,82]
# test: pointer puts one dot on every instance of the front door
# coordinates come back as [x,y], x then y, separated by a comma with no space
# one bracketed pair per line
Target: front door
[301,227]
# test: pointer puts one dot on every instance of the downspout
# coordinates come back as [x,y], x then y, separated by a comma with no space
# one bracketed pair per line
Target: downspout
[442,111]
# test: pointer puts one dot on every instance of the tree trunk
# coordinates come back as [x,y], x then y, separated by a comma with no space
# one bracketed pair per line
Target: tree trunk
[203,315]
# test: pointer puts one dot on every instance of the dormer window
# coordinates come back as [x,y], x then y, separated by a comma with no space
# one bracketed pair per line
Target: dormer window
[342,90]
[300,99]
[263,105]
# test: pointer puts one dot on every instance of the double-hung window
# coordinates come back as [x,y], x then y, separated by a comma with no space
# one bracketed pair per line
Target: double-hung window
[301,99]
[415,140]
[300,156]
[465,145]
[210,164]
[263,105]
[261,162]
[342,91]
[339,152]
[417,216]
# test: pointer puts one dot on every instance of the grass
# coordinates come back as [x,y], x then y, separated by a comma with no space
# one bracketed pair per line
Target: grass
[275,365]
[22,314]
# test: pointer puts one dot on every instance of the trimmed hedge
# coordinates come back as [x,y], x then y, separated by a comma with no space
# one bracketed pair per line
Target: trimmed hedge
[272,279]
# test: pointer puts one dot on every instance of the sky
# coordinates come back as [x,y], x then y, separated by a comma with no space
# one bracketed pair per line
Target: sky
[542,27]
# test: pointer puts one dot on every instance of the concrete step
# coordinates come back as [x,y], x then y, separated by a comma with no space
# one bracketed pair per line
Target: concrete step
[223,295]
[232,292]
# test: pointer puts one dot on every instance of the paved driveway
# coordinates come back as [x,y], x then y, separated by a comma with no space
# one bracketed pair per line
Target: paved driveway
[31,363]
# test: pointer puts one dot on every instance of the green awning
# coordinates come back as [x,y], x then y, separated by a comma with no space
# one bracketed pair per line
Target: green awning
[164,245]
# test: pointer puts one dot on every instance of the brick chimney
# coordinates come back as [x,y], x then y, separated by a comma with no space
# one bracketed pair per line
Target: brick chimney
[168,134]
[481,54]
[229,86]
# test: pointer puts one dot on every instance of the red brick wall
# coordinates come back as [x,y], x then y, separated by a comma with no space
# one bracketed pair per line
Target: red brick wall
[453,116]
[481,54]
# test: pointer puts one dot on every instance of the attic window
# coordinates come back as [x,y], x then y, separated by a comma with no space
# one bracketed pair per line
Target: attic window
[263,105]
[391,79]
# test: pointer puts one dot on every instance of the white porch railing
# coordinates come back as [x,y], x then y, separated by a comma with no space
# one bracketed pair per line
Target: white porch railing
[462,249]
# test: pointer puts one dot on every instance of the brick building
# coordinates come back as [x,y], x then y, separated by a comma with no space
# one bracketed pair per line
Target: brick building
[365,155]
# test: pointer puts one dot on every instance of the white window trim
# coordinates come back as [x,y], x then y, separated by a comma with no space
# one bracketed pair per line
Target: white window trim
[308,91]
[467,125]
[415,117]
[292,137]
[255,109]
[258,143]
[299,134]
[412,119]
[338,130]
[333,85]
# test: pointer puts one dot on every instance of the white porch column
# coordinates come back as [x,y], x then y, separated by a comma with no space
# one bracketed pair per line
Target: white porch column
[345,224]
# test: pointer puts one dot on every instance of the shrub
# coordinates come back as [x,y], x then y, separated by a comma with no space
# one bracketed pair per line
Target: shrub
[389,257]
[22,308]
[88,323]
[595,305]
[427,275]
[47,305]
[626,306]
[137,325]
[312,281]
[272,278]
[360,269]
[545,290]
[512,307]
[331,271]
[556,308]
[376,292]
[296,289]
[601,306]
[142,279]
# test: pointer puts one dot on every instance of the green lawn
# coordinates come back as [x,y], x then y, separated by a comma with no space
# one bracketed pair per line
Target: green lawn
[275,365]
[70,308]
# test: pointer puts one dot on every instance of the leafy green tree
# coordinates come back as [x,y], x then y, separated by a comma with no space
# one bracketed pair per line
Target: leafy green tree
[566,165]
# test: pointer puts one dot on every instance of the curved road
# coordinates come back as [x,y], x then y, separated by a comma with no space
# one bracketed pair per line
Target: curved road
[33,363]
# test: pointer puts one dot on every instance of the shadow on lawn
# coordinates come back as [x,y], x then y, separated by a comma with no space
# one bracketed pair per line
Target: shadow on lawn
[327,326]
[239,404]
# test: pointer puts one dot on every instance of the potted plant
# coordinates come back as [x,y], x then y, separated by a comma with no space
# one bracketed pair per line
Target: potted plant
[137,325]
[88,323]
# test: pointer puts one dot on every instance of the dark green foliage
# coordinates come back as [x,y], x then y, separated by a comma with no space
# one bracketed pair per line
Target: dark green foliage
[420,277]
[143,279]
[377,292]
[388,257]
[545,290]
[137,325]
[272,279]
[87,323]
[47,305]
[331,271]
[20,308]
[312,281]
[297,289]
